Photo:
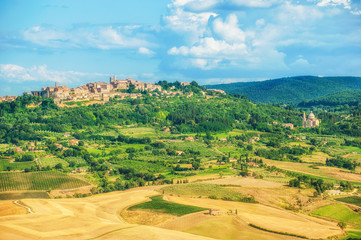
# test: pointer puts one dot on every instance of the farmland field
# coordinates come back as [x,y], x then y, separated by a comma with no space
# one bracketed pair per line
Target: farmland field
[16,181]
[52,161]
[207,190]
[352,200]
[158,204]
[4,164]
[339,212]
[138,132]
[22,195]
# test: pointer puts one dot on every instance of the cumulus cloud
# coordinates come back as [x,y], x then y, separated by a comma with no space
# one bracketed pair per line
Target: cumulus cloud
[210,47]
[202,5]
[344,3]
[229,30]
[255,3]
[16,73]
[190,23]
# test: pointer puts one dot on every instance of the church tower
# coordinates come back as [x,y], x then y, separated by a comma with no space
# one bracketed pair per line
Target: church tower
[304,121]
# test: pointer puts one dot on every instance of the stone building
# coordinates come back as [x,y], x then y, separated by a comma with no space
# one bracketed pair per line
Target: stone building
[311,121]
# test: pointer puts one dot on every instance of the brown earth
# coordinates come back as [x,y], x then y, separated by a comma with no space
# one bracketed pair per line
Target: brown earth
[269,217]
[98,217]
[145,217]
[245,182]
[8,207]
[94,217]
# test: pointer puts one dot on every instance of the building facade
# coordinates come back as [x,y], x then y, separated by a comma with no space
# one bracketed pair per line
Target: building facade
[311,121]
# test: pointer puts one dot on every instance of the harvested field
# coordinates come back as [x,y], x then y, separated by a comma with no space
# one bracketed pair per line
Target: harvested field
[23,195]
[99,217]
[94,217]
[269,217]
[316,157]
[322,171]
[146,218]
[9,208]
[246,182]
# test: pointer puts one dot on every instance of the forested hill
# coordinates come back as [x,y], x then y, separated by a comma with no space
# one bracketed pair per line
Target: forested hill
[290,90]
[349,97]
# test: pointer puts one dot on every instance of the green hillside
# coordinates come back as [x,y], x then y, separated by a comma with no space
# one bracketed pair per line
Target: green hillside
[349,97]
[290,90]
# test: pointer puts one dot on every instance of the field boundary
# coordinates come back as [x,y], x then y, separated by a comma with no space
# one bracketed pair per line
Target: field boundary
[273,231]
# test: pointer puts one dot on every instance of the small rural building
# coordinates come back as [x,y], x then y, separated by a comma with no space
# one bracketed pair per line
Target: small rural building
[334,192]
[253,139]
[223,139]
[189,139]
[179,153]
[288,125]
[214,212]
[74,142]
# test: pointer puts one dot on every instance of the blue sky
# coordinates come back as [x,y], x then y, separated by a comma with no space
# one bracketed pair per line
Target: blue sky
[210,41]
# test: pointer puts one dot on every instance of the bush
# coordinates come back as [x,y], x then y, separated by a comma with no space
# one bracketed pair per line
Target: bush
[25,158]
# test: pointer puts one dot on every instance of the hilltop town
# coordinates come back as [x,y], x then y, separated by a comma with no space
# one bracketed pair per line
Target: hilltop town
[96,90]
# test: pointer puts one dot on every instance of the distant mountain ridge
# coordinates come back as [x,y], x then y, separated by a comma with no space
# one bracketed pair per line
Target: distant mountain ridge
[349,97]
[290,90]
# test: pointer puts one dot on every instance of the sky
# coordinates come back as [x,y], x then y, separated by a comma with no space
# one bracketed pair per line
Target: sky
[209,41]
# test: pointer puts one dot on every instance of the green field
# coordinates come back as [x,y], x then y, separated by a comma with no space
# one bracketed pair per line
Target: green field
[138,132]
[160,205]
[15,165]
[354,235]
[352,200]
[339,212]
[23,195]
[207,190]
[52,161]
[16,181]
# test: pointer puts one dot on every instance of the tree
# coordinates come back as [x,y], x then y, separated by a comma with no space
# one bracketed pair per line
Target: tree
[58,166]
[342,225]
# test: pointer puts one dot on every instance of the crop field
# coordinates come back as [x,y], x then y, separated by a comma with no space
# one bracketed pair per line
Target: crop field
[138,132]
[52,161]
[4,146]
[15,165]
[272,177]
[22,195]
[194,146]
[158,204]
[316,157]
[207,190]
[321,171]
[352,200]
[339,212]
[143,165]
[16,181]
[77,160]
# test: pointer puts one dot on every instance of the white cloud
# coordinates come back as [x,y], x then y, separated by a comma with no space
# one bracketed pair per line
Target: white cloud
[255,3]
[93,37]
[228,30]
[15,73]
[145,51]
[211,48]
[190,23]
[194,5]
[344,3]
[292,14]
[45,37]
[199,5]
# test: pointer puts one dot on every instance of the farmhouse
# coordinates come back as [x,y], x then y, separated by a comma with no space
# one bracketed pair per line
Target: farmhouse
[288,125]
[214,212]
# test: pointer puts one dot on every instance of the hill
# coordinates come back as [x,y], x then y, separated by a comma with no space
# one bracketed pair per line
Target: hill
[290,90]
[349,97]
